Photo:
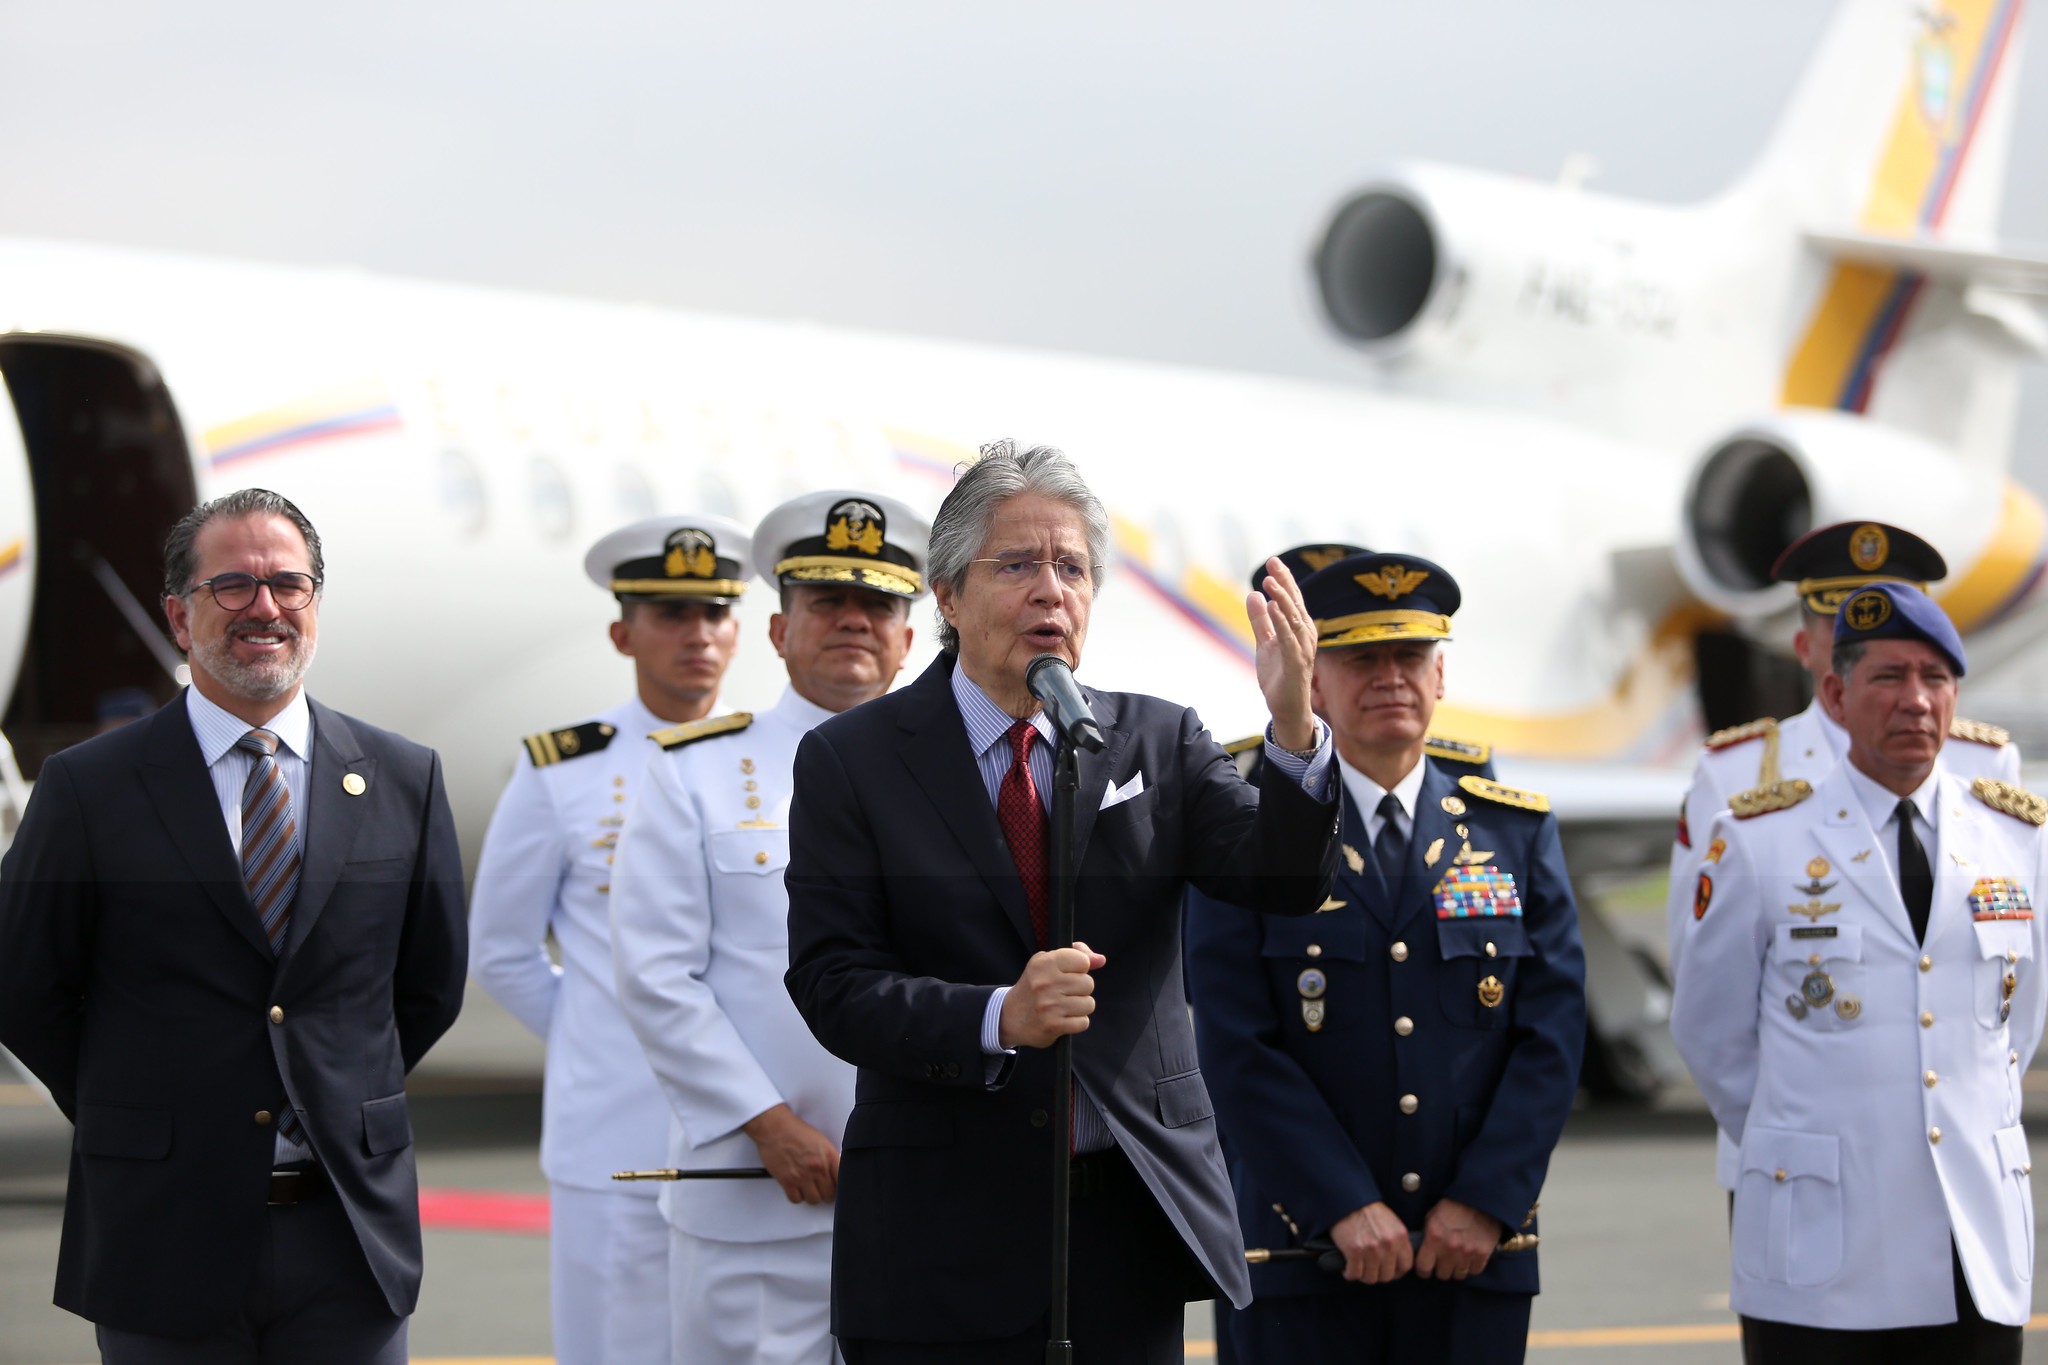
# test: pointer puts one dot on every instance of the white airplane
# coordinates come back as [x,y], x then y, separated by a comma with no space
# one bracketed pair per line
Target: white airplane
[1606,416]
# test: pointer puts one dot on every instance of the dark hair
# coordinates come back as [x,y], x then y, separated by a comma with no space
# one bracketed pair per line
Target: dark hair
[180,558]
[1847,654]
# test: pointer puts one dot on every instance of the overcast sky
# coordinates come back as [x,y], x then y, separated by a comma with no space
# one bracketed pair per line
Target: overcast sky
[1137,179]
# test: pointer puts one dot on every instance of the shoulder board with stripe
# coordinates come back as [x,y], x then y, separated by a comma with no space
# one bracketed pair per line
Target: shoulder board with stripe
[1977,732]
[1741,734]
[689,732]
[1763,800]
[555,746]
[1455,749]
[1506,796]
[2007,799]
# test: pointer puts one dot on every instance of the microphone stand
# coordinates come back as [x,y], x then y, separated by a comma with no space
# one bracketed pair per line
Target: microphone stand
[1066,780]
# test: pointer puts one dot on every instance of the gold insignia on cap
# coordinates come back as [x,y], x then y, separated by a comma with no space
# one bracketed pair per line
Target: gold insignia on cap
[1869,546]
[854,526]
[1318,560]
[1391,581]
[353,784]
[1867,610]
[692,553]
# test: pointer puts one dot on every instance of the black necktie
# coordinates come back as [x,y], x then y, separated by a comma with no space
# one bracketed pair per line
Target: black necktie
[1390,849]
[1916,880]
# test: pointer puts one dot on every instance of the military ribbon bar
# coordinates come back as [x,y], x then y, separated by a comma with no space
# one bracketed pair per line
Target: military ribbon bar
[1477,893]
[2000,898]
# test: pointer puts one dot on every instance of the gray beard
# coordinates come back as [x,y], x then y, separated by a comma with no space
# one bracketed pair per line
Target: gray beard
[256,681]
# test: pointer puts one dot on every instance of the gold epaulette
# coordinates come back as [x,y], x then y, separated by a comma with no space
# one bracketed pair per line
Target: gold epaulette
[1739,734]
[1238,746]
[1456,750]
[1769,797]
[690,731]
[1506,796]
[552,746]
[2007,799]
[1977,732]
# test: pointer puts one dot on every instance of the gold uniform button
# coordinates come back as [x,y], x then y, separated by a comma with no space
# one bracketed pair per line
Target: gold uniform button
[1411,1182]
[1779,1175]
[1314,950]
[1926,963]
[753,803]
[2012,1058]
[1404,1026]
[262,1118]
[277,1014]
[761,858]
[1492,951]
[2012,955]
[1931,1078]
[1934,1135]
[1927,1019]
[1399,952]
[1409,1104]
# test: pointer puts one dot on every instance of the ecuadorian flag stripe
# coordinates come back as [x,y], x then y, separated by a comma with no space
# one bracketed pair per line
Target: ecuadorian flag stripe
[1863,308]
[349,411]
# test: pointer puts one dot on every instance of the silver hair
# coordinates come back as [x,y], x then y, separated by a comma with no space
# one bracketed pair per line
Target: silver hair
[962,526]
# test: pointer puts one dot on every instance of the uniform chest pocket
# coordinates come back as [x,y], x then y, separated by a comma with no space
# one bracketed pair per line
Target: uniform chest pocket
[746,887]
[750,852]
[2006,953]
[1314,969]
[1479,955]
[1817,974]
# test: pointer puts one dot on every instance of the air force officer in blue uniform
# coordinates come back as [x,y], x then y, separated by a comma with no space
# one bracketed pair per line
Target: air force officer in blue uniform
[1392,1073]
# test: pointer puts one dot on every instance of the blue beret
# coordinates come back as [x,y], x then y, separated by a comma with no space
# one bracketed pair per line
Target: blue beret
[1367,598]
[1898,611]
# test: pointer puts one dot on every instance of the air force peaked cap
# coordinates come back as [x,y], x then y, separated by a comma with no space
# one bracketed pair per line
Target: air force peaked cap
[1831,562]
[864,540]
[1365,599]
[1898,611]
[1305,561]
[688,556]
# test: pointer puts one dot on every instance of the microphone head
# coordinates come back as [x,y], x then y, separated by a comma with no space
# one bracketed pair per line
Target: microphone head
[1039,665]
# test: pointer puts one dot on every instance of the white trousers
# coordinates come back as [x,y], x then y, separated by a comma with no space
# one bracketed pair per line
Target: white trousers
[751,1303]
[608,1266]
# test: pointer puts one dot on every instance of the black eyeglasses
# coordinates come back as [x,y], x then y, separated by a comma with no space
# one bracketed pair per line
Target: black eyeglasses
[234,591]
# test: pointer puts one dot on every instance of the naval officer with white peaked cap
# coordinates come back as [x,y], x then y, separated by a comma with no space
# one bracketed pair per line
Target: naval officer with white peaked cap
[1858,997]
[700,937]
[546,867]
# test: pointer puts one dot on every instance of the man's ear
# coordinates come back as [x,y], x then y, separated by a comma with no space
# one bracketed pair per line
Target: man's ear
[178,612]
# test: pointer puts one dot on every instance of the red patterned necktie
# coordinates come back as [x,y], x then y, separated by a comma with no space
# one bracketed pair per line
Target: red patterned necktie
[1023,819]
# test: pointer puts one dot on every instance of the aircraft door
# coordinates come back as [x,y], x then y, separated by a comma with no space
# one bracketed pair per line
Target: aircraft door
[17,544]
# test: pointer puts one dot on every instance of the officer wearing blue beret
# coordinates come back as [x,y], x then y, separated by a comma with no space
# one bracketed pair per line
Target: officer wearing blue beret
[1858,996]
[1392,1073]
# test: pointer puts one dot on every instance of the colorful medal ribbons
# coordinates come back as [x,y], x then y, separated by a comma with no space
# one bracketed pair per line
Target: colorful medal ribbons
[2000,898]
[1476,893]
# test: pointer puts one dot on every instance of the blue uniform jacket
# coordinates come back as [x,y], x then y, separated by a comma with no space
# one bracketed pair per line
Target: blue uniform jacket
[1312,1118]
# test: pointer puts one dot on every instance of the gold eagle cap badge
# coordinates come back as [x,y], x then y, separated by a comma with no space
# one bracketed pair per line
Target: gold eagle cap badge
[1868,547]
[691,554]
[1391,581]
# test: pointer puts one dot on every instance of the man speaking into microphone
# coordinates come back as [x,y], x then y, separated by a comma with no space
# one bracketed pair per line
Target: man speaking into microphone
[920,905]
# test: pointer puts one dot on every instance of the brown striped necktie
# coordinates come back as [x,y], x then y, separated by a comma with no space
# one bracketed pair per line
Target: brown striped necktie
[270,838]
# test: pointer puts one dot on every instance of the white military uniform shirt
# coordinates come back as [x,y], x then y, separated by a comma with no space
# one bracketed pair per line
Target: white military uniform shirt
[546,865]
[1871,1082]
[700,933]
[1808,745]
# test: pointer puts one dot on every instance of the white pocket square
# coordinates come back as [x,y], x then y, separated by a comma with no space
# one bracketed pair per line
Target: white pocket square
[1116,796]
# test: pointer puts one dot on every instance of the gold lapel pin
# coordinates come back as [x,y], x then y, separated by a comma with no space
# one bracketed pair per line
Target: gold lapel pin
[353,784]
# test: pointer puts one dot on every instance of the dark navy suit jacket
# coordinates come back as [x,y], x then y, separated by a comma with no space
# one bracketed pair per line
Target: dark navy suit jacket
[137,984]
[1312,1117]
[905,910]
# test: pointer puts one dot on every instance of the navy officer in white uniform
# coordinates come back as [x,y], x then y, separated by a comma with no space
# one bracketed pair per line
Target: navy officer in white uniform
[1858,997]
[701,940]
[546,867]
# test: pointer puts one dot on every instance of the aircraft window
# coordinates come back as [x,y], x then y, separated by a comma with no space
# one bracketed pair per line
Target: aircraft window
[635,498]
[462,492]
[1233,557]
[554,511]
[716,497]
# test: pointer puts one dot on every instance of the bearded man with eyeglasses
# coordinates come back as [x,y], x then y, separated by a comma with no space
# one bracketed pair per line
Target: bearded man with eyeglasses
[227,932]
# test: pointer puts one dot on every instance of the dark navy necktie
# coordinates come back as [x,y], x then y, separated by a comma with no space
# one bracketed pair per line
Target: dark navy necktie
[1390,849]
[1916,879]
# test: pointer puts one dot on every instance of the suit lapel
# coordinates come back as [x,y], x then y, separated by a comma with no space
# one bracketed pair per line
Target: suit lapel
[175,776]
[1845,833]
[1360,885]
[333,817]
[1094,771]
[1431,823]
[1955,869]
[936,753]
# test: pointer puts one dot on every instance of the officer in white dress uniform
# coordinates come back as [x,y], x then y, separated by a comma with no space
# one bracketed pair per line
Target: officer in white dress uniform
[700,938]
[546,867]
[1858,998]
[1825,566]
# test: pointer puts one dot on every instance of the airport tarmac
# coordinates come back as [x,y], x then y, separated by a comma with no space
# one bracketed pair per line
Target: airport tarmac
[1634,1232]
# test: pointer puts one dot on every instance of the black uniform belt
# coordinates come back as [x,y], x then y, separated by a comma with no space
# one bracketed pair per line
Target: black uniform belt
[1095,1174]
[297,1184]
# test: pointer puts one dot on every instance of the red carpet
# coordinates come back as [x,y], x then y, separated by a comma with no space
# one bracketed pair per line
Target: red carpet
[484,1211]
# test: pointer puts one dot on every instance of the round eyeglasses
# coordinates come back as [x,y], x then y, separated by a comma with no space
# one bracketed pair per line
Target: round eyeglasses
[234,591]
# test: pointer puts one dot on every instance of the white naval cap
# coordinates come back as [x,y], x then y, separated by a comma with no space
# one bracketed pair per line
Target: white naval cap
[690,555]
[842,536]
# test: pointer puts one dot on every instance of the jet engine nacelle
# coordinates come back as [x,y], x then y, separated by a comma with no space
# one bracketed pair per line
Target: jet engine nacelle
[1770,482]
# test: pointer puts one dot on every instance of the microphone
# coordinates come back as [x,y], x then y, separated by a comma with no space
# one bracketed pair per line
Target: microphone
[1052,682]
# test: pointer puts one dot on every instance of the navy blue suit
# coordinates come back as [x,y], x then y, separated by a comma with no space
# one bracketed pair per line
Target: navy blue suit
[1311,1117]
